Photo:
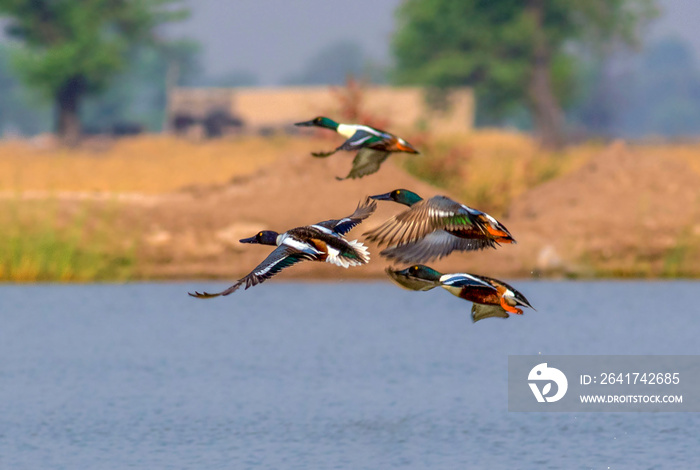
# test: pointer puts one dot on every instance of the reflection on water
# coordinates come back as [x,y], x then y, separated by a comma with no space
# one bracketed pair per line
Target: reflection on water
[351,375]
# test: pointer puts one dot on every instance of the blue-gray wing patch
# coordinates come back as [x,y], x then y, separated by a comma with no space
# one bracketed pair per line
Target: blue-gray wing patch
[465,280]
[359,139]
[342,226]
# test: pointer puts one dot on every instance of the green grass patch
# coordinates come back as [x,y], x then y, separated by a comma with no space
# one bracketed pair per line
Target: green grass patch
[682,260]
[40,246]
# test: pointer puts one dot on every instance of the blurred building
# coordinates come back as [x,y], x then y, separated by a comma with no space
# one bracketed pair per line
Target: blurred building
[213,112]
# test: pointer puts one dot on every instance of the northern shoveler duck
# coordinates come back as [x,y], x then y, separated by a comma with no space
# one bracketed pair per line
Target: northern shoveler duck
[374,145]
[490,297]
[433,228]
[319,242]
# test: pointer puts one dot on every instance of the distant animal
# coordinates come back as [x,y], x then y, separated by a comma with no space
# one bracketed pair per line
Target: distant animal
[490,297]
[433,228]
[323,241]
[373,145]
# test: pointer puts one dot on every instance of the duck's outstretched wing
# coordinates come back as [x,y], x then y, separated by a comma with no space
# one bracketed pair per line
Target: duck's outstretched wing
[366,162]
[423,218]
[342,226]
[361,138]
[323,154]
[281,257]
[481,311]
[410,283]
[435,245]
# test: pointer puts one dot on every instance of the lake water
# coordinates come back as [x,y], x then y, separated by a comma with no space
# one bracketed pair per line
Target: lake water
[305,376]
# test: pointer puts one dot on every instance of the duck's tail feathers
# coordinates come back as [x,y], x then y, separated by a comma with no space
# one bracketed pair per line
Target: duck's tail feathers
[355,254]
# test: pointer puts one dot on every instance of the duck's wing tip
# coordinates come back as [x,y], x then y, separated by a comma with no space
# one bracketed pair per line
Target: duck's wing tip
[323,154]
[203,295]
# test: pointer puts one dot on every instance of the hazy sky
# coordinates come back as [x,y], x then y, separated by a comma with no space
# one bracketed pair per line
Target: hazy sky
[680,18]
[274,38]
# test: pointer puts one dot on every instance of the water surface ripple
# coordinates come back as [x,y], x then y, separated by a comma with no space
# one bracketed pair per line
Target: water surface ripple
[301,375]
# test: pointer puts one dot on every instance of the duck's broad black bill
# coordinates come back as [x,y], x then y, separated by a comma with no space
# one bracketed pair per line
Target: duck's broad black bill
[248,240]
[382,197]
[304,124]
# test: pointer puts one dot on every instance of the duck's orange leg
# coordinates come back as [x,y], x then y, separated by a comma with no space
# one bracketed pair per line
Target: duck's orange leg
[508,308]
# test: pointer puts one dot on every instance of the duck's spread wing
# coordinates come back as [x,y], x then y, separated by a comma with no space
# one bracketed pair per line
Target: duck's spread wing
[360,139]
[342,226]
[480,311]
[207,295]
[323,154]
[410,283]
[281,257]
[435,245]
[423,218]
[366,162]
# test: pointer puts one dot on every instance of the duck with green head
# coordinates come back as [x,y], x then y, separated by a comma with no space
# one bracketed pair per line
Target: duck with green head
[433,228]
[373,146]
[490,297]
[323,241]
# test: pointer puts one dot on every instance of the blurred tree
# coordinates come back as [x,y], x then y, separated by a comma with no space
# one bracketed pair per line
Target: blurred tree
[654,93]
[138,95]
[513,52]
[662,96]
[334,64]
[75,48]
[18,114]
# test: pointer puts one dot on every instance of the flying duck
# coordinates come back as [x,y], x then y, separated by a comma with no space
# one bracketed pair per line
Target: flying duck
[373,145]
[433,228]
[490,297]
[323,241]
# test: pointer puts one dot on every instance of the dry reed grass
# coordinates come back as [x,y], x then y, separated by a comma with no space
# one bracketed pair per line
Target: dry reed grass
[486,169]
[146,164]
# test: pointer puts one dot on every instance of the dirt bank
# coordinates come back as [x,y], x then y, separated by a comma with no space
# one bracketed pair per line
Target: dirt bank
[623,213]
